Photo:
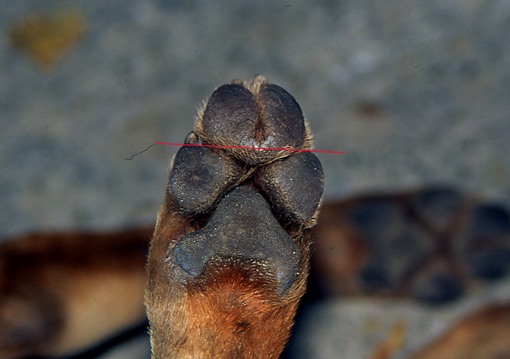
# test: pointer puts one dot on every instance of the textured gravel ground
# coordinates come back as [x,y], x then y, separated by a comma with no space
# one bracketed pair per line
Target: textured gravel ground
[415,92]
[352,328]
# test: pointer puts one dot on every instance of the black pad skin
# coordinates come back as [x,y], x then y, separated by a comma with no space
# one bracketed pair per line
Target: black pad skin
[398,246]
[294,185]
[199,177]
[271,118]
[488,241]
[437,287]
[242,226]
[282,117]
[438,206]
[231,113]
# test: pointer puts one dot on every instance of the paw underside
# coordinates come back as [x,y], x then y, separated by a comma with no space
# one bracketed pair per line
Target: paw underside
[246,203]
[433,244]
[229,258]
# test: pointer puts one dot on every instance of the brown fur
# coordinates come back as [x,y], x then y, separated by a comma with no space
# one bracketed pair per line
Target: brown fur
[185,319]
[483,334]
[56,289]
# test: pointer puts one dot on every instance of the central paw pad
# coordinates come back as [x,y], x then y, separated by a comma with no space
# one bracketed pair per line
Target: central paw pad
[242,226]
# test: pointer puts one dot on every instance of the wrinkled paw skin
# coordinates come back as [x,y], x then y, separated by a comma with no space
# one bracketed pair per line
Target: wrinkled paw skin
[432,244]
[229,258]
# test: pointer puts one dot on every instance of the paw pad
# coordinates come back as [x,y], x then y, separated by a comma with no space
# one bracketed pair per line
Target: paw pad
[199,177]
[432,244]
[269,118]
[246,204]
[241,226]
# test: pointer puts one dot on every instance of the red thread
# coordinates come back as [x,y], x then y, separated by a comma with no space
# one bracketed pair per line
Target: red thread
[245,148]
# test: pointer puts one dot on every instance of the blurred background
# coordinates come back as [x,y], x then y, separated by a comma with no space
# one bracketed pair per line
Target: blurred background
[415,92]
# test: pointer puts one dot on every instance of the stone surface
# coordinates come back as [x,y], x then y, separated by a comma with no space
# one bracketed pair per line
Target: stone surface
[353,328]
[415,92]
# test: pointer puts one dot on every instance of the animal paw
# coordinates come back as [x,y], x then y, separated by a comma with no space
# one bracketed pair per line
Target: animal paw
[432,244]
[229,258]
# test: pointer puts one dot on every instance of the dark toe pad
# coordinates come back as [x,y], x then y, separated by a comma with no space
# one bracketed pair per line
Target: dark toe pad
[271,118]
[487,241]
[294,185]
[199,177]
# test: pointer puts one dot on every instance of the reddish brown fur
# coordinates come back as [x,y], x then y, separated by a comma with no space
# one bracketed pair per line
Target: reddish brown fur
[206,319]
[235,306]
